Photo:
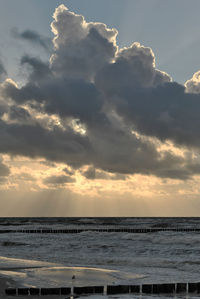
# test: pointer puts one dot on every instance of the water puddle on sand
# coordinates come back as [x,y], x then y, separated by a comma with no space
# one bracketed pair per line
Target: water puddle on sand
[79,276]
[40,274]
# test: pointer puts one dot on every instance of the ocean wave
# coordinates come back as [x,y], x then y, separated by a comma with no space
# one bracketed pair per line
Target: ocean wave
[10,243]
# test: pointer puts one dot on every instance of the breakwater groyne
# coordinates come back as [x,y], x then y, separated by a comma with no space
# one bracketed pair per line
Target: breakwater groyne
[101,230]
[165,288]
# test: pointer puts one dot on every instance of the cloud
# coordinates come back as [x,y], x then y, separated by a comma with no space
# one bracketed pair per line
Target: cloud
[4,169]
[39,69]
[34,38]
[66,97]
[58,180]
[3,72]
[124,108]
[24,176]
[193,85]
[133,67]
[147,99]
[48,163]
[81,48]
[92,174]
[68,171]
[166,112]
[35,141]
[19,114]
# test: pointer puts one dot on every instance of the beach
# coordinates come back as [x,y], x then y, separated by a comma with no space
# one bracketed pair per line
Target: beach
[50,260]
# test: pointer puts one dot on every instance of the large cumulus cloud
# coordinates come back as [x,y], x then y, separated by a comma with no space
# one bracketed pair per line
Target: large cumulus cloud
[133,67]
[81,48]
[166,112]
[95,104]
[147,99]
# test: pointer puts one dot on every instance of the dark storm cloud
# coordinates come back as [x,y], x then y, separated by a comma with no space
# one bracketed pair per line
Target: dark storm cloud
[147,100]
[110,93]
[65,97]
[3,108]
[58,180]
[35,141]
[34,38]
[19,114]
[166,112]
[128,156]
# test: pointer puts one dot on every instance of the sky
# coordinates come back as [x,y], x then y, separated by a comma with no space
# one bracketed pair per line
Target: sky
[99,108]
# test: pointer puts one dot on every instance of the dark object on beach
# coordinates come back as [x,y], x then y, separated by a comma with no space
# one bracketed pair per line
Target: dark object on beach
[163,288]
[11,292]
[181,287]
[134,289]
[120,289]
[34,291]
[73,277]
[65,291]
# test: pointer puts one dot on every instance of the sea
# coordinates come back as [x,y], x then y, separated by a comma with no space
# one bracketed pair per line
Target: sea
[100,258]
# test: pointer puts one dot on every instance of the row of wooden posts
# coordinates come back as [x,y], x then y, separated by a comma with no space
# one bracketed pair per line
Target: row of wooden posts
[165,288]
[108,230]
